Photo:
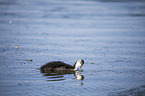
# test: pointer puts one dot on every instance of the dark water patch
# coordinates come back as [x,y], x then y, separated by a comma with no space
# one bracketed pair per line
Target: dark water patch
[138,15]
[120,0]
[139,91]
[7,2]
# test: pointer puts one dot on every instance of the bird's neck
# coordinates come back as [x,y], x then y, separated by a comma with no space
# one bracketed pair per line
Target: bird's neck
[77,65]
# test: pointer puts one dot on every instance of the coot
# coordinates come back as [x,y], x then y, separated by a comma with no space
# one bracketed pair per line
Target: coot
[57,66]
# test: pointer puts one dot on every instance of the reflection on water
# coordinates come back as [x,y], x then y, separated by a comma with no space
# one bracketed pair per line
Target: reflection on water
[79,75]
[59,76]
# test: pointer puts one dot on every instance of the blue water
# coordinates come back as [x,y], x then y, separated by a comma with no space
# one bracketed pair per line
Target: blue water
[108,34]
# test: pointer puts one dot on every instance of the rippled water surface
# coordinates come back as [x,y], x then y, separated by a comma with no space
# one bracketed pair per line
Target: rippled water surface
[108,34]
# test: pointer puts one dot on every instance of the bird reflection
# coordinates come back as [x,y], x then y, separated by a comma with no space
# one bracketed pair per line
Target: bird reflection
[79,75]
[59,76]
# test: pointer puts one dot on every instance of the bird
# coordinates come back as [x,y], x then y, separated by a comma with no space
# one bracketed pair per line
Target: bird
[59,66]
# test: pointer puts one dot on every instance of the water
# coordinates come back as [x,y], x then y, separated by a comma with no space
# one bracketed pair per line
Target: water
[108,34]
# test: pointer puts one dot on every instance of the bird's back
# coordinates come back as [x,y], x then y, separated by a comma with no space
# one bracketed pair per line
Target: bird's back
[55,66]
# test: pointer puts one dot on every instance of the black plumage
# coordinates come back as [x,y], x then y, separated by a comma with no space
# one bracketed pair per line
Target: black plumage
[56,66]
